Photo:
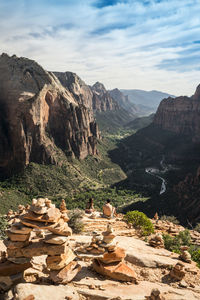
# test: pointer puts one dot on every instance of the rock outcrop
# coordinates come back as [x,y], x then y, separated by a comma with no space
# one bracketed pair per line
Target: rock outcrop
[180,115]
[38,116]
[102,101]
[124,102]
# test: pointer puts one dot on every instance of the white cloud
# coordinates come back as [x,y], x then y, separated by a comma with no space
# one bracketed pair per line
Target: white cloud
[128,45]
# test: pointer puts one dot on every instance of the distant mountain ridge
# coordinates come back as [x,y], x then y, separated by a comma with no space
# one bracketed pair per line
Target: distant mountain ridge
[150,99]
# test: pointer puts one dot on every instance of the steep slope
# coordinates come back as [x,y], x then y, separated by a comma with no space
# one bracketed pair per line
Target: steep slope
[38,116]
[80,90]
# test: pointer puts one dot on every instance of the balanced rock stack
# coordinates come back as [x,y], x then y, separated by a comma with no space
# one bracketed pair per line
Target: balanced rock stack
[178,272]
[185,255]
[156,241]
[111,263]
[40,231]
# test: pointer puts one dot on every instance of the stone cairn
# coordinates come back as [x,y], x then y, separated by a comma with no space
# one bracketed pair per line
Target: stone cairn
[156,241]
[155,295]
[185,255]
[110,260]
[40,229]
[178,272]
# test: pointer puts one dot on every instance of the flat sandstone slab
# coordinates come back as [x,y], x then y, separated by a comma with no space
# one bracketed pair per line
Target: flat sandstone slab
[37,249]
[8,268]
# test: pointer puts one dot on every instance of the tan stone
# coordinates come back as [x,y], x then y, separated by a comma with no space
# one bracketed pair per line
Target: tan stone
[52,216]
[55,239]
[119,271]
[38,210]
[8,268]
[61,228]
[14,237]
[15,245]
[114,256]
[20,228]
[178,271]
[66,274]
[37,249]
[60,261]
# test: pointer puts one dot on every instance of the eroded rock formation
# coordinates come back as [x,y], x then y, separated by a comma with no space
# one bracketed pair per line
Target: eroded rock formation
[38,116]
[180,115]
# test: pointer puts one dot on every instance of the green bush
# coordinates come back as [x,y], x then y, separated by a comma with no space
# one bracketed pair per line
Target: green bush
[195,254]
[140,221]
[3,227]
[172,219]
[197,227]
[174,243]
[75,220]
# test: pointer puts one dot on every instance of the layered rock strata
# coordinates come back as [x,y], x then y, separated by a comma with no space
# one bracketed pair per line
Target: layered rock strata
[38,116]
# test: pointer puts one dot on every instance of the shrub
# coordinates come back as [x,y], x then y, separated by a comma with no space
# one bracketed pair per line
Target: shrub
[75,220]
[3,227]
[139,220]
[197,227]
[172,219]
[195,254]
[173,243]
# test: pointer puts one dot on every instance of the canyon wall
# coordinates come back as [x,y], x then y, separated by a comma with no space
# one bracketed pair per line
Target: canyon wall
[38,116]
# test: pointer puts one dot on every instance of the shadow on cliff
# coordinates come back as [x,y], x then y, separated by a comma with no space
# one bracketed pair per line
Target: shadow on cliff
[145,149]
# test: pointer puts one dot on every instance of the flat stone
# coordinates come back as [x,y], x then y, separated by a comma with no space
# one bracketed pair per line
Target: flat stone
[14,237]
[118,271]
[114,256]
[6,282]
[15,245]
[19,260]
[61,228]
[9,268]
[37,249]
[55,239]
[66,274]
[19,228]
[52,216]
[44,292]
[58,262]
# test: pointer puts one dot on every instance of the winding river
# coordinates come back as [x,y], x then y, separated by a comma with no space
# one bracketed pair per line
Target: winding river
[154,172]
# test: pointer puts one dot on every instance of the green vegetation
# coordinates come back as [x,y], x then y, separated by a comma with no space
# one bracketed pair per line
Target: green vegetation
[174,243]
[140,221]
[183,238]
[75,220]
[3,227]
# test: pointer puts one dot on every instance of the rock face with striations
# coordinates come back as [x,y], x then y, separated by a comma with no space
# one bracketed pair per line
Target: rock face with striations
[38,116]
[180,115]
[102,101]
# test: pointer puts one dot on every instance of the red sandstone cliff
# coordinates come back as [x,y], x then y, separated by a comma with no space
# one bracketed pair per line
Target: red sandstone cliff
[38,115]
[180,115]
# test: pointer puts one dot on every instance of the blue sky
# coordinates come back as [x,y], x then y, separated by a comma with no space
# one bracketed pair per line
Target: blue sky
[141,44]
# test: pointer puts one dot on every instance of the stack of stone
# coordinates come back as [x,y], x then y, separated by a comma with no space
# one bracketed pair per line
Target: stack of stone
[185,255]
[155,295]
[40,231]
[178,272]
[156,241]
[64,211]
[112,264]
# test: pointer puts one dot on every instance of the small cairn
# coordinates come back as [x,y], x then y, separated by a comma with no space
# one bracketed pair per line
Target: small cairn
[64,211]
[40,230]
[178,272]
[185,255]
[156,241]
[111,263]
[155,295]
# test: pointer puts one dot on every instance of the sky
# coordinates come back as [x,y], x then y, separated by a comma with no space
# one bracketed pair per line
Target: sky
[129,44]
